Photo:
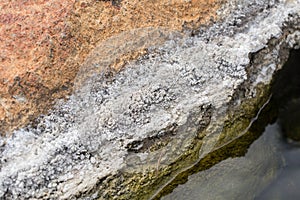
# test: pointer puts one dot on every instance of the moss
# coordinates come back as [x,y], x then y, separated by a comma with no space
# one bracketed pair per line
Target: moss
[239,118]
[144,184]
[238,133]
[233,147]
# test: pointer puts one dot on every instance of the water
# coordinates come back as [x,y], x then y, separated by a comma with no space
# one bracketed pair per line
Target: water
[98,130]
[286,185]
[269,170]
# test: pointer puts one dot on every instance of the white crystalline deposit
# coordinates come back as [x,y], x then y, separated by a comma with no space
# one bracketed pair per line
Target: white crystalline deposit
[87,137]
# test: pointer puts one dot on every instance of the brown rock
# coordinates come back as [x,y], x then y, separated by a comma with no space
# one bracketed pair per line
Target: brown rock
[43,44]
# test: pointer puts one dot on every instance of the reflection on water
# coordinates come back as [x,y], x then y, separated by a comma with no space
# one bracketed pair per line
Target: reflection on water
[287,184]
[269,170]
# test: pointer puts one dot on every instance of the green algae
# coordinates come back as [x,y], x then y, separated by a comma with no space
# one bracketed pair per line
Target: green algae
[243,123]
[153,183]
[233,145]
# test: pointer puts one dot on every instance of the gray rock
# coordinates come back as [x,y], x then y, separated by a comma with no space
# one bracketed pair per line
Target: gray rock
[111,122]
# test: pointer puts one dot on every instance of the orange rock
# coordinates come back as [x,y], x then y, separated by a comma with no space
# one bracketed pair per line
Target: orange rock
[43,43]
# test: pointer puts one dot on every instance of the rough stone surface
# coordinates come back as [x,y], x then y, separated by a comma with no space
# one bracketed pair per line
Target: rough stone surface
[147,115]
[43,44]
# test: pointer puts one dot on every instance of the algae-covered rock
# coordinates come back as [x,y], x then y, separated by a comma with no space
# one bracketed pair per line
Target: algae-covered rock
[130,134]
[239,177]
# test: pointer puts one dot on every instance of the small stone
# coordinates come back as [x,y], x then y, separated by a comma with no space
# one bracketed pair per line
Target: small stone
[93,160]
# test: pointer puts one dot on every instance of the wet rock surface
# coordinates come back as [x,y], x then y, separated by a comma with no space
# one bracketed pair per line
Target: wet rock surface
[289,120]
[238,178]
[119,133]
[286,94]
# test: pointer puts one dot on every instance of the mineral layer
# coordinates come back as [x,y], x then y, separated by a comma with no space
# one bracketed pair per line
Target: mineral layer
[44,43]
[124,134]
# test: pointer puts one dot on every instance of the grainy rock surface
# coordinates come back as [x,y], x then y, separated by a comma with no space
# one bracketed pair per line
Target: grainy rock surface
[117,127]
[43,44]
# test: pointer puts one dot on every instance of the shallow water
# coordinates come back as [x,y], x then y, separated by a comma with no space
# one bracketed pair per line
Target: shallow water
[287,184]
[269,170]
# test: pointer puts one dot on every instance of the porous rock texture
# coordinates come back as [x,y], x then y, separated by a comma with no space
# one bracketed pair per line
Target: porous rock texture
[44,43]
[127,134]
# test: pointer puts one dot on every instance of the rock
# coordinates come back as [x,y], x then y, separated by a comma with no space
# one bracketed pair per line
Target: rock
[290,120]
[287,96]
[45,43]
[240,177]
[160,115]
